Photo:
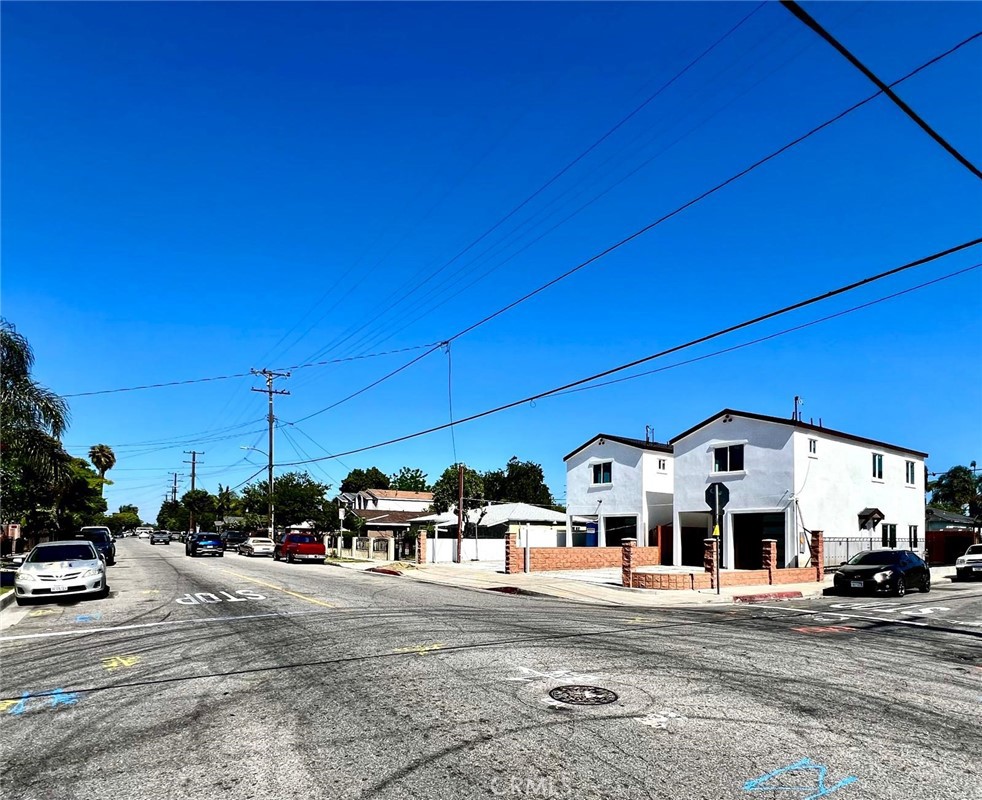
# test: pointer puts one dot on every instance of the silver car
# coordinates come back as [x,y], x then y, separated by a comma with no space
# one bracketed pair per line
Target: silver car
[257,546]
[60,569]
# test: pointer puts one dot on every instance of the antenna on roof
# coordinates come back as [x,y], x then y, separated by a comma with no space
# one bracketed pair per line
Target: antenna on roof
[649,433]
[798,401]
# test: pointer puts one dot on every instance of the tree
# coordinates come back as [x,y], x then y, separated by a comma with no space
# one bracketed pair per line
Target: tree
[361,479]
[297,498]
[32,417]
[200,507]
[123,520]
[130,509]
[958,490]
[103,459]
[79,500]
[173,516]
[408,480]
[525,483]
[226,502]
[445,488]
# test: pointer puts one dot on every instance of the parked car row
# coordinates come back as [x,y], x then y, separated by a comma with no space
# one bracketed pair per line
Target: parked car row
[291,548]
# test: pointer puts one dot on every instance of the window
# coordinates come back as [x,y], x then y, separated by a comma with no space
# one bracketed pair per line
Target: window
[728,459]
[889,534]
[910,473]
[662,464]
[601,472]
[912,535]
[878,466]
[812,446]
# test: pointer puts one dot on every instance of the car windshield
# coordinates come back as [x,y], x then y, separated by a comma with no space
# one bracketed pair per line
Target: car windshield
[875,557]
[208,538]
[974,550]
[94,536]
[260,540]
[62,552]
[302,539]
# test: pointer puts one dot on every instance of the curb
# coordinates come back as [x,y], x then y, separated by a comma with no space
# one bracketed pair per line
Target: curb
[6,600]
[384,571]
[766,596]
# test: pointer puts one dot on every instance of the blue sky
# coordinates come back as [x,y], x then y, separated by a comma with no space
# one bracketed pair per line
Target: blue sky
[194,190]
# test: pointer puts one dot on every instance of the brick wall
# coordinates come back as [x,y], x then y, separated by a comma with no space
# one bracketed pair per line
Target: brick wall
[633,557]
[670,580]
[421,548]
[817,548]
[552,558]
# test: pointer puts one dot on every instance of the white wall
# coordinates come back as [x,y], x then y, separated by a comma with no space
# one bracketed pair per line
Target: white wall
[444,549]
[764,486]
[836,483]
[622,497]
[825,491]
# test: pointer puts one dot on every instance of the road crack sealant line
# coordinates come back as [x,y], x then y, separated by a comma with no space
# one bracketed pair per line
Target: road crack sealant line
[369,657]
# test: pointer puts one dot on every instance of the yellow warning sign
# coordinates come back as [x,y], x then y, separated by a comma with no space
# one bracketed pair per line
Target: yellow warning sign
[715,530]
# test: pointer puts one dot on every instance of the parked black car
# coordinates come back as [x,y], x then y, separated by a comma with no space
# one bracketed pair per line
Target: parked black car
[103,541]
[160,537]
[891,571]
[232,539]
[200,544]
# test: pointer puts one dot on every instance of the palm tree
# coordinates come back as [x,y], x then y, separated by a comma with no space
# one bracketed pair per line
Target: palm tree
[103,459]
[32,417]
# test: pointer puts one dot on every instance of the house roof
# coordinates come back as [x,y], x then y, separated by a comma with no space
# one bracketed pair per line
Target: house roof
[949,516]
[398,494]
[489,516]
[805,426]
[383,519]
[641,444]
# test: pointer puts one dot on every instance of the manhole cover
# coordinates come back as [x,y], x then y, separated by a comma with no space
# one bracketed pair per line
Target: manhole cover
[583,695]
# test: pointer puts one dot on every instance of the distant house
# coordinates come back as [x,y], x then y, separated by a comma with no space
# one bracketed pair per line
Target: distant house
[385,513]
[949,535]
[787,478]
[621,488]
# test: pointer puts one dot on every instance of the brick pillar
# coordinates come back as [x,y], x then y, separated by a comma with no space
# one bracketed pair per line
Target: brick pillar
[514,557]
[627,561]
[421,547]
[709,549]
[817,548]
[768,558]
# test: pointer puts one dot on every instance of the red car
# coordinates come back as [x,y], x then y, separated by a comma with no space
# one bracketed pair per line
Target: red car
[300,547]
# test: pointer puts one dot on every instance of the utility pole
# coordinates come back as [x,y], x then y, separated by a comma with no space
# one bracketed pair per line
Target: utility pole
[270,376]
[460,513]
[173,491]
[194,464]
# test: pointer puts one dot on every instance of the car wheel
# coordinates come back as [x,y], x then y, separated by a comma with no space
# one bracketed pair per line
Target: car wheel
[900,587]
[111,563]
[221,555]
[276,556]
[289,558]
[926,585]
[104,592]
[21,601]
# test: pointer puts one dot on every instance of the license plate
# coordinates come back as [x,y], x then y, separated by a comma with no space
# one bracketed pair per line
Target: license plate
[59,588]
[977,569]
[856,584]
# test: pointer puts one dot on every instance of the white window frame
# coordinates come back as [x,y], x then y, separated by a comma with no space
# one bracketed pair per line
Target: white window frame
[600,465]
[662,464]
[912,538]
[813,448]
[726,446]
[878,467]
[911,473]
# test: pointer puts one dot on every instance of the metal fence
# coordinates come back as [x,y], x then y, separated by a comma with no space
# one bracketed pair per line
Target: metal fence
[842,548]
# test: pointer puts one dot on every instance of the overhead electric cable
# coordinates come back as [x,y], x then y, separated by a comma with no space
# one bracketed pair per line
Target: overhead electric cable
[812,23]
[248,374]
[640,232]
[691,343]
[402,296]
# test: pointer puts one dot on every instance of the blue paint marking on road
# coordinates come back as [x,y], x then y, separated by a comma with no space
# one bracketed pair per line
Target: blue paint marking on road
[89,617]
[818,789]
[21,706]
[62,698]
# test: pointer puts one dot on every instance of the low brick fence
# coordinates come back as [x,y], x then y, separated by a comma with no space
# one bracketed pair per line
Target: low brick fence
[542,559]
[634,557]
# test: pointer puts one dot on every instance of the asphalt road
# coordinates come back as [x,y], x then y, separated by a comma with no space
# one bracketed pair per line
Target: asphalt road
[241,678]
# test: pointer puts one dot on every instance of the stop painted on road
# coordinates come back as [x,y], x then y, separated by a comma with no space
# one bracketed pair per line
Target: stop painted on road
[207,598]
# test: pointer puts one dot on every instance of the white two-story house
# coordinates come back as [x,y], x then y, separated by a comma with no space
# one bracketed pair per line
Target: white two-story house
[621,488]
[787,478]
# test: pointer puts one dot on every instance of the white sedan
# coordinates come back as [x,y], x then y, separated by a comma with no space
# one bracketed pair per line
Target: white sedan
[970,564]
[60,569]
[257,546]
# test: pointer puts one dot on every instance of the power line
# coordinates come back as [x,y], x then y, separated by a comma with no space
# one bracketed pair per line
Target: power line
[403,296]
[691,343]
[664,218]
[812,23]
[784,332]
[245,374]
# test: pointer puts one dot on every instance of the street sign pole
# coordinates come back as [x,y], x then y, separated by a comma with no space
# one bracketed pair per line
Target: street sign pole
[717,496]
[719,538]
